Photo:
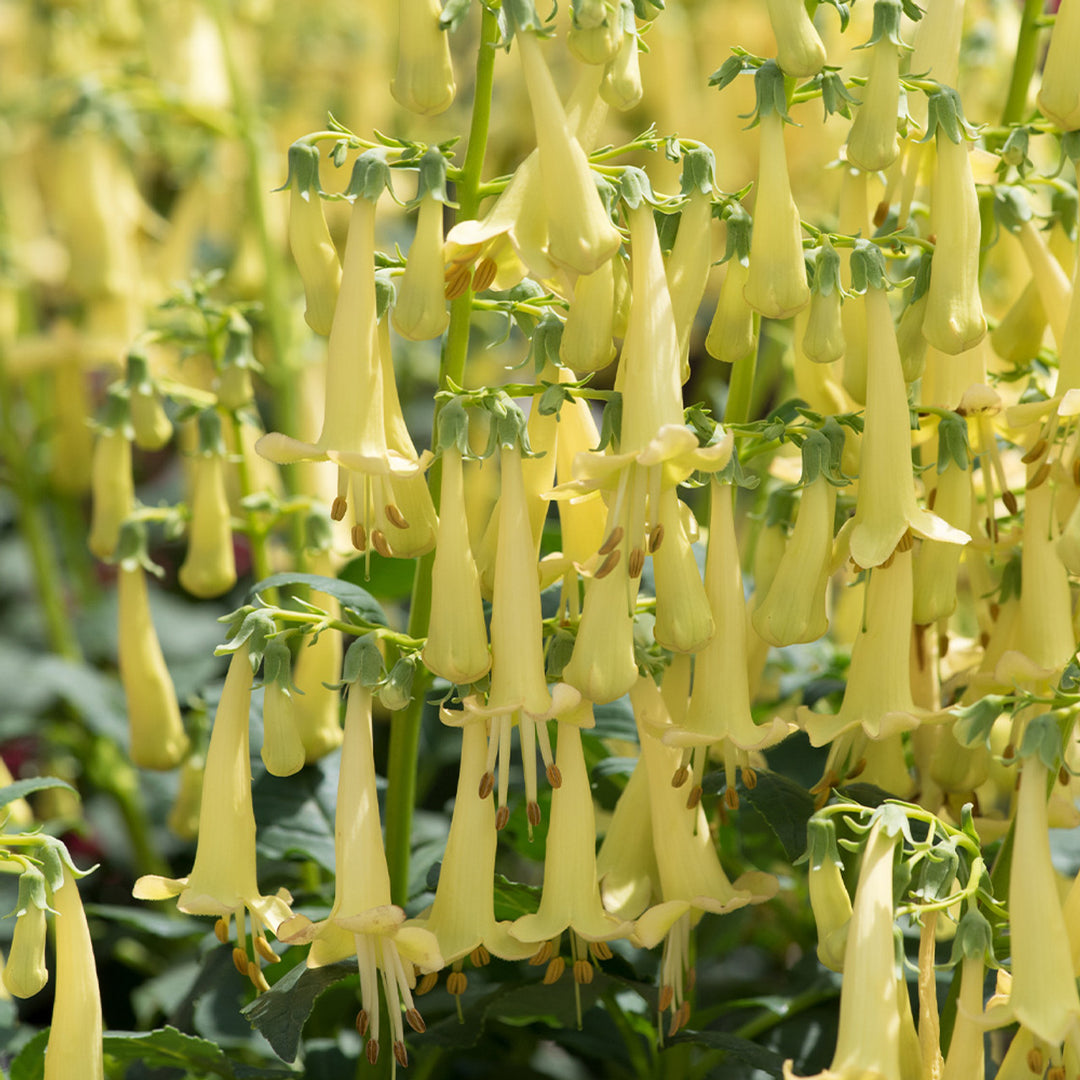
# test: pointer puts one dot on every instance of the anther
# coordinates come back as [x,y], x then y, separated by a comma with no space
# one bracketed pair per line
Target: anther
[372,1051]
[379,543]
[415,1021]
[1035,1060]
[694,798]
[583,972]
[656,537]
[1009,752]
[667,993]
[888,562]
[254,973]
[608,564]
[612,542]
[906,542]
[682,774]
[502,816]
[1055,1072]
[995,611]
[338,507]
[600,950]
[541,956]
[427,983]
[881,212]
[636,563]
[395,516]
[456,982]
[400,1055]
[532,812]
[262,947]
[487,785]
[240,960]
[1076,472]
[554,775]
[931,499]
[221,930]
[362,1022]
[749,778]
[984,639]
[1063,776]
[1035,452]
[358,535]
[480,957]
[860,766]
[943,646]
[458,279]
[484,275]
[1009,499]
[554,970]
[731,799]
[1041,473]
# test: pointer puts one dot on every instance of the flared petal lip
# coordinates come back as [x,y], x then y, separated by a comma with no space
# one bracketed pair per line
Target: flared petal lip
[1015,668]
[419,946]
[598,925]
[495,938]
[377,920]
[561,699]
[771,733]
[822,728]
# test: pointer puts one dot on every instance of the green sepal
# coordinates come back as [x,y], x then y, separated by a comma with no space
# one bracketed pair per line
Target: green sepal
[137,377]
[730,70]
[945,115]
[55,860]
[698,171]
[894,820]
[431,180]
[886,27]
[974,938]
[115,415]
[1011,207]
[277,663]
[821,847]
[771,94]
[1063,209]
[735,474]
[546,340]
[740,228]
[867,267]
[211,439]
[825,275]
[256,628]
[1043,737]
[1012,575]
[396,691]
[370,176]
[453,428]
[634,188]
[362,663]
[921,285]
[937,872]
[32,892]
[780,506]
[303,172]
[131,549]
[551,400]
[509,427]
[647,10]
[385,292]
[699,419]
[610,424]
[522,15]
[238,351]
[842,9]
[1015,151]
[453,14]
[835,96]
[953,444]
[822,451]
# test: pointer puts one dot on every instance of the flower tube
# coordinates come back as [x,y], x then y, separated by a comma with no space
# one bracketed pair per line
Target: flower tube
[112,487]
[733,331]
[626,867]
[424,82]
[799,50]
[684,622]
[873,143]
[1059,95]
[25,973]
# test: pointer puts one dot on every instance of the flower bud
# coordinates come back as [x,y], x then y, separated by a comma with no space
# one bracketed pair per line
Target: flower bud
[309,239]
[829,899]
[420,311]
[684,622]
[937,564]
[282,748]
[621,87]
[688,268]
[1018,337]
[776,285]
[823,339]
[873,143]
[25,973]
[72,438]
[158,740]
[954,319]
[596,34]
[183,820]
[586,343]
[733,331]
[150,425]
[113,490]
[424,82]
[799,50]
[1059,95]
[209,568]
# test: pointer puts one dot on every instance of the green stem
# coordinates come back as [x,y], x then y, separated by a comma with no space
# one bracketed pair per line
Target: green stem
[1027,56]
[741,387]
[405,730]
[260,557]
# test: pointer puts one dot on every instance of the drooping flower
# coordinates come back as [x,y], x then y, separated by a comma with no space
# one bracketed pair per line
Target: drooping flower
[626,867]
[872,143]
[424,81]
[1059,94]
[112,487]
[363,920]
[799,49]
[25,973]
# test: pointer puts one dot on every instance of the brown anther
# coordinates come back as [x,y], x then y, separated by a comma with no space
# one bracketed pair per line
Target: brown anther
[221,930]
[480,957]
[691,979]
[487,785]
[608,564]
[1035,452]
[673,1026]
[881,212]
[554,775]
[240,960]
[456,982]
[612,542]
[362,1022]
[1056,1072]
[636,563]
[749,778]
[400,1055]
[583,972]
[684,1014]
[694,797]
[532,812]
[1063,776]
[380,544]
[826,783]
[860,767]
[984,639]
[731,799]
[1035,1060]
[600,949]
[262,947]
[1041,473]
[484,274]
[656,537]
[372,1051]
[1009,752]
[415,1021]
[932,238]
[541,956]
[553,972]
[427,983]
[258,979]
[338,508]
[395,516]
[667,993]
[995,611]
[682,774]
[458,279]
[931,499]
[888,562]
[1009,499]
[943,646]
[906,542]
[502,816]
[358,535]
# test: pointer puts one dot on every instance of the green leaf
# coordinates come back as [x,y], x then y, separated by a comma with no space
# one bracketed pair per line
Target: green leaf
[296,815]
[453,14]
[21,788]
[351,597]
[736,1049]
[785,806]
[279,1015]
[156,923]
[513,898]
[30,1064]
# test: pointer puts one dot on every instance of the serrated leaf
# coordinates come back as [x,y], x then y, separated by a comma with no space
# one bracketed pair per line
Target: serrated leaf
[513,898]
[21,788]
[357,600]
[169,1048]
[279,1015]
[785,806]
[742,1050]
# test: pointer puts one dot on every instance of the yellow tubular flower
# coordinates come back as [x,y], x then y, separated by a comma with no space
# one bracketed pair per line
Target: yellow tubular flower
[209,568]
[886,506]
[873,143]
[158,740]
[1059,95]
[688,269]
[954,319]
[457,644]
[937,564]
[733,331]
[621,87]
[581,237]
[1055,288]
[363,920]
[25,973]
[113,491]
[868,1039]
[626,867]
[966,1056]
[309,239]
[799,50]
[587,335]
[74,1047]
[424,82]
[420,310]
[776,284]
[282,749]
[684,622]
